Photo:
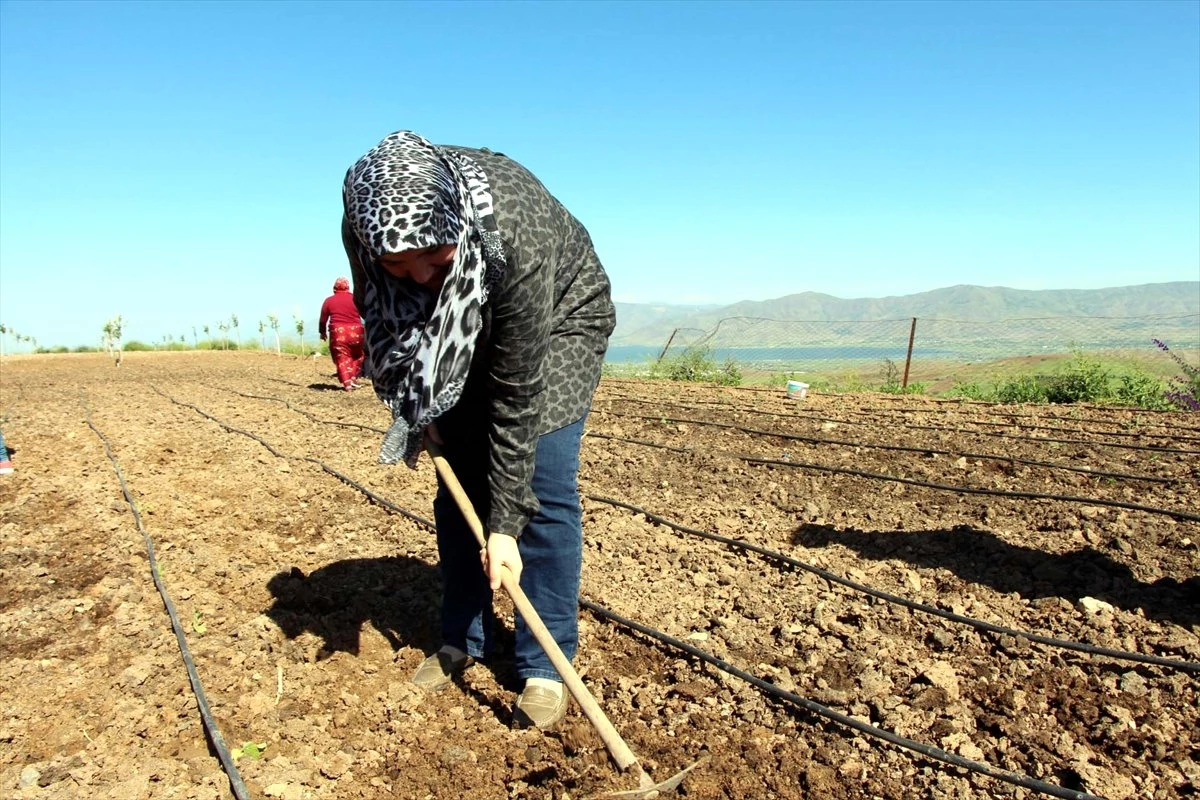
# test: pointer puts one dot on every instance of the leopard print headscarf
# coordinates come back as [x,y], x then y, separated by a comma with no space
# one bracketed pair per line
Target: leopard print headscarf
[407,193]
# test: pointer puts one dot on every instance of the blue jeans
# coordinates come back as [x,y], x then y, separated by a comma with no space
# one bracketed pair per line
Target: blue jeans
[551,548]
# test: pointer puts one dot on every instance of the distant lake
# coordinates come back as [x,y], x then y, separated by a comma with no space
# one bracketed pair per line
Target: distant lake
[626,354]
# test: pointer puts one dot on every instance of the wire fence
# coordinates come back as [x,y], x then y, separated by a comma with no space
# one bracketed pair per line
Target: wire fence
[924,348]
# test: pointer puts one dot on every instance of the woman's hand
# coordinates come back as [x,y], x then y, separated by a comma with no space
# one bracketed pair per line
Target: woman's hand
[431,433]
[501,551]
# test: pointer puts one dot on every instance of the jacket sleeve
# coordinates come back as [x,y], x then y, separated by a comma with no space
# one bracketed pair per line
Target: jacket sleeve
[520,336]
[358,273]
[324,320]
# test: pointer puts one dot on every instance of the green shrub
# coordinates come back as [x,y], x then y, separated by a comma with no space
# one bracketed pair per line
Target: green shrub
[729,374]
[137,347]
[1022,389]
[970,391]
[1084,381]
[696,364]
[1142,391]
[893,381]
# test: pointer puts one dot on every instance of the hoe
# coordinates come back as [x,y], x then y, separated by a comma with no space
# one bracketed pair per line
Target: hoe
[620,752]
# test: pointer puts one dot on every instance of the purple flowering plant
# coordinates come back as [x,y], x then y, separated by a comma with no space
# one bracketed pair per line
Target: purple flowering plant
[1184,390]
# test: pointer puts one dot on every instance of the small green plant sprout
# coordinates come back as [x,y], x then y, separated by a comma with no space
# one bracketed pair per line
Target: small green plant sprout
[299,326]
[273,321]
[112,338]
[198,626]
[233,323]
[252,750]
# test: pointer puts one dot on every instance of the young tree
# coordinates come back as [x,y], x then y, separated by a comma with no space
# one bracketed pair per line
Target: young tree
[262,334]
[233,320]
[9,331]
[299,326]
[112,339]
[273,319]
[195,340]
[3,333]
[223,327]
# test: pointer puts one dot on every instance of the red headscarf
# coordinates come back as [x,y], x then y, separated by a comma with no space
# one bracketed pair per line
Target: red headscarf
[341,285]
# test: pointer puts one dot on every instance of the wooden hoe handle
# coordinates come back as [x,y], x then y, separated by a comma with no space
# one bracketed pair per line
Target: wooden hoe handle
[591,709]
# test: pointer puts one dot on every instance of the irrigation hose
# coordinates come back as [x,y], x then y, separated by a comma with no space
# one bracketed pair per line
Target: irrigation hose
[372,496]
[210,724]
[1015,420]
[874,414]
[828,713]
[312,417]
[1122,446]
[893,447]
[771,689]
[1066,644]
[775,462]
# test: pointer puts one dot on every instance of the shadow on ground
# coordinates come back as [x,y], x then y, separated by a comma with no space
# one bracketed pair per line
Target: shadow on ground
[399,596]
[981,557]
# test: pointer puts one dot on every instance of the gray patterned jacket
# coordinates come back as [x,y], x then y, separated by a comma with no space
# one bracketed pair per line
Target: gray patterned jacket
[546,328]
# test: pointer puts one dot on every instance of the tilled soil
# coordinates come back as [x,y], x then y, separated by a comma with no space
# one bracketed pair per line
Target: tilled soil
[863,565]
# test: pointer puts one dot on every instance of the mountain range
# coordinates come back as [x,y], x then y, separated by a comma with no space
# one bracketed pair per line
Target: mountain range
[653,323]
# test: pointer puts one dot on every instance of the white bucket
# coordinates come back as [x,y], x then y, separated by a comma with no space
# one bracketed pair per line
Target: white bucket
[797,390]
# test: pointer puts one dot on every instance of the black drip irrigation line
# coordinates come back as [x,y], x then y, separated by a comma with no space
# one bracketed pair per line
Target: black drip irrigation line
[772,690]
[1015,419]
[301,411]
[1066,498]
[842,421]
[1151,448]
[1020,420]
[1066,644]
[705,404]
[210,724]
[828,713]
[377,499]
[796,437]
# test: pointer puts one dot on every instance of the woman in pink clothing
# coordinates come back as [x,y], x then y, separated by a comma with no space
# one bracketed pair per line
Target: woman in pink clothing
[341,324]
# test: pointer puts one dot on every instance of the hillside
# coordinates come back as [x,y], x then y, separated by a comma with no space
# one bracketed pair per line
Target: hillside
[652,324]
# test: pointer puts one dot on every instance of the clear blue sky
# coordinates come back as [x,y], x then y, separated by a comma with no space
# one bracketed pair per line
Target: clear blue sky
[179,162]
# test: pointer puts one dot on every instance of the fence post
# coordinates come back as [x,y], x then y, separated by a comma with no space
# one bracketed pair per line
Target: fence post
[912,333]
[670,339]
